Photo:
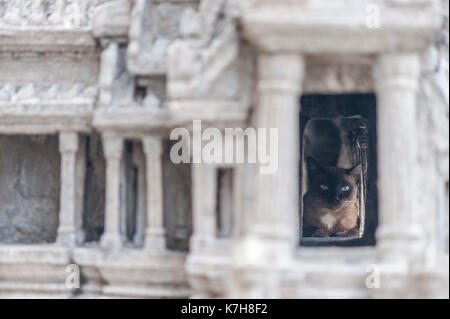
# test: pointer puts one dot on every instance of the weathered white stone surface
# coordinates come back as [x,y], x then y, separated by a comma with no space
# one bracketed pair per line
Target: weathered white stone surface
[29,191]
[109,79]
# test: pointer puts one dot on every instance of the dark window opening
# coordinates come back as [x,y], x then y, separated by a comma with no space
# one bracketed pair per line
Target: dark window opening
[140,92]
[137,197]
[177,182]
[133,194]
[338,170]
[94,189]
[128,193]
[224,203]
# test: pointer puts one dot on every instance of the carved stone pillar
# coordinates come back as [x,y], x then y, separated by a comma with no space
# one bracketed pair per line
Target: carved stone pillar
[70,230]
[396,80]
[154,234]
[271,236]
[112,148]
[279,85]
[204,206]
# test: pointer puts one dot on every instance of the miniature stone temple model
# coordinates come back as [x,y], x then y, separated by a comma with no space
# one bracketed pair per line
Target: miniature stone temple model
[91,90]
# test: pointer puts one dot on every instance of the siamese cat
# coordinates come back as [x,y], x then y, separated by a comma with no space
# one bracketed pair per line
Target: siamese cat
[331,203]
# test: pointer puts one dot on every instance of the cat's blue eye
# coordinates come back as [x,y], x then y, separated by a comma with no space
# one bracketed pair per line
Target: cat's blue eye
[345,188]
[323,187]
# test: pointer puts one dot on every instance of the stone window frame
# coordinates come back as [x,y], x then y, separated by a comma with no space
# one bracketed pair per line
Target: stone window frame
[347,105]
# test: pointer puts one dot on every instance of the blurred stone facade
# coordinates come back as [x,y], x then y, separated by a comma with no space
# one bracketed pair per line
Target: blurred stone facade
[89,93]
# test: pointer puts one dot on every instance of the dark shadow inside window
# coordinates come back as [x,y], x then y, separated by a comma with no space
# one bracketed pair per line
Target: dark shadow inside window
[224,203]
[94,189]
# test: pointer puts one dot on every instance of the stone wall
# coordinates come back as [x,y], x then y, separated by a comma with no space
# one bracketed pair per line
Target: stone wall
[433,143]
[29,189]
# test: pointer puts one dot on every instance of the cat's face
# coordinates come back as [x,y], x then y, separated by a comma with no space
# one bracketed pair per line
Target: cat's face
[332,185]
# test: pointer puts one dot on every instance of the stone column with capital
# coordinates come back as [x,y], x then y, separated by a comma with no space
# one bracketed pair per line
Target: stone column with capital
[155,239]
[70,230]
[270,239]
[398,235]
[112,149]
[396,82]
[279,85]
[204,190]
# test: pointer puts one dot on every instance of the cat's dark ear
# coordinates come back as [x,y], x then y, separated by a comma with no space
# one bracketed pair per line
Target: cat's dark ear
[313,166]
[354,172]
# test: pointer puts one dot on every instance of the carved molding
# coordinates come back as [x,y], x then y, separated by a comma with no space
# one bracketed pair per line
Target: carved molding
[46,14]
[111,19]
[317,27]
[46,108]
[41,94]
